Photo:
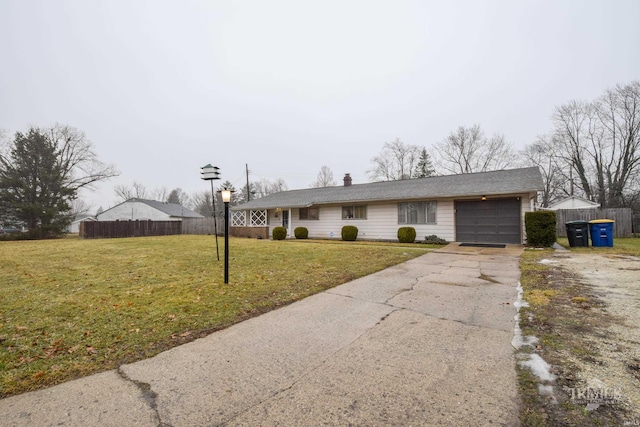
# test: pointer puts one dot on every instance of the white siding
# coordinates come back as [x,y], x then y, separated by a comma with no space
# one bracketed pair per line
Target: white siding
[133,211]
[573,202]
[381,222]
[274,222]
[528,205]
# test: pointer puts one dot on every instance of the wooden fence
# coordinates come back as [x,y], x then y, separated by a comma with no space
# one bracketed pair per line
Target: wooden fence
[622,218]
[202,226]
[115,229]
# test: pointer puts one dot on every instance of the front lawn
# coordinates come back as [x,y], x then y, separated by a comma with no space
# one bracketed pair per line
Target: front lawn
[72,307]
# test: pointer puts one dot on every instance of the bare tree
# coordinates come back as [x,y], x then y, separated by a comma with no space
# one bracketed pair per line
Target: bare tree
[265,187]
[160,193]
[77,161]
[542,153]
[139,191]
[324,178]
[468,150]
[80,207]
[600,143]
[126,192]
[396,161]
[202,203]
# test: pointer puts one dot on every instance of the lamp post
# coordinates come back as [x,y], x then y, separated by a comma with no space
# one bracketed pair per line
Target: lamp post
[209,173]
[226,198]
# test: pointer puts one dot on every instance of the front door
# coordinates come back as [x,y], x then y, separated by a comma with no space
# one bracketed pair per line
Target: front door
[285,220]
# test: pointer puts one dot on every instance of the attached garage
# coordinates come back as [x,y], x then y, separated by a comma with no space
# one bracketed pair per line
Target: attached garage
[488,221]
[446,206]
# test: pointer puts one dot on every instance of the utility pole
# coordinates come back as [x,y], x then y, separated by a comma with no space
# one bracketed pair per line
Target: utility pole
[571,180]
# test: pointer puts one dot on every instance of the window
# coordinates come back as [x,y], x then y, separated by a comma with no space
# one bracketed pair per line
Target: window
[417,213]
[309,213]
[354,212]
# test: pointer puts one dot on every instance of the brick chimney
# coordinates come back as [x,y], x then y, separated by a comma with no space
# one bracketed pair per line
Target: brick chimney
[347,180]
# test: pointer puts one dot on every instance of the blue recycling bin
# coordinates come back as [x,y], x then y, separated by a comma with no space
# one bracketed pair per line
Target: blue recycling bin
[601,231]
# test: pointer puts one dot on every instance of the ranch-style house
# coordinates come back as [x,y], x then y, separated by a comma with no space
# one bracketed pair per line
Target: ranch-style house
[485,207]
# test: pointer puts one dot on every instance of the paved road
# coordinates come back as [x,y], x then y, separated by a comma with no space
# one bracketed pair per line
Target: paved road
[423,343]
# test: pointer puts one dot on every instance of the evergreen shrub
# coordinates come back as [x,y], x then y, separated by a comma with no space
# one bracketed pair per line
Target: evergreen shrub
[434,240]
[301,232]
[406,235]
[541,228]
[349,233]
[279,233]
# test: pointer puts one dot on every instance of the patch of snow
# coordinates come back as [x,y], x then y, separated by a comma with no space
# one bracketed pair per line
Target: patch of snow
[534,362]
[518,341]
[538,367]
[547,390]
[547,261]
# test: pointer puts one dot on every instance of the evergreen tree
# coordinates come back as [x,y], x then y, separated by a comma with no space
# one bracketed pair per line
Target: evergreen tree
[178,197]
[424,167]
[40,176]
[32,185]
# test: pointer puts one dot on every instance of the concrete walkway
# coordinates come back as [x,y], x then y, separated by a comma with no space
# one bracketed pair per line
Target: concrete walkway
[426,342]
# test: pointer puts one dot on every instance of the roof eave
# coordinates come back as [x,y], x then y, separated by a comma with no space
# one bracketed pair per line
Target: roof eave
[386,199]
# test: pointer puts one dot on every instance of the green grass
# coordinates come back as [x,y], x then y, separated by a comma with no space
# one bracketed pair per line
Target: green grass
[72,307]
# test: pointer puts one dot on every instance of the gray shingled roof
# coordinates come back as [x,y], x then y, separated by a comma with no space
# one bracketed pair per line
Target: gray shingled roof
[473,184]
[171,209]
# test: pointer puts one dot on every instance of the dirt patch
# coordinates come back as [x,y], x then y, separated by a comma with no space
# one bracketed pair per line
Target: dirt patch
[584,310]
[615,281]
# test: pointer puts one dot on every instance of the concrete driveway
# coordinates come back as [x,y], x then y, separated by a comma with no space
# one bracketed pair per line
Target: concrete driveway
[426,342]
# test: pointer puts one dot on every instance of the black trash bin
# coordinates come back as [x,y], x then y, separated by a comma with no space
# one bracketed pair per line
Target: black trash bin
[578,233]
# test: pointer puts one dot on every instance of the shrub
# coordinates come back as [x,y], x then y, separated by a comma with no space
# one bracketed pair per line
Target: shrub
[279,233]
[541,228]
[434,240]
[349,233]
[301,232]
[406,234]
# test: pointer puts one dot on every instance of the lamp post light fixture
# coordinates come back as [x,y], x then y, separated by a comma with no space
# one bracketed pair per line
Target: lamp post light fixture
[226,198]
[210,173]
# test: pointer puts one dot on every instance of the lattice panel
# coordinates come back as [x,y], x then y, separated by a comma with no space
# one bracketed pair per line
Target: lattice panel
[258,218]
[238,219]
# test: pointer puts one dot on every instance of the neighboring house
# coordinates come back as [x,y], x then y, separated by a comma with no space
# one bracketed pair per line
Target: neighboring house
[485,207]
[74,227]
[573,202]
[143,210]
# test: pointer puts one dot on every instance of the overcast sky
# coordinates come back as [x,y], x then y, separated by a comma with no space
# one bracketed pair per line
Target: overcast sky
[163,87]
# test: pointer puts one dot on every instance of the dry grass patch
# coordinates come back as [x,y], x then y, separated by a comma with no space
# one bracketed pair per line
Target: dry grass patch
[74,307]
[621,246]
[564,315]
